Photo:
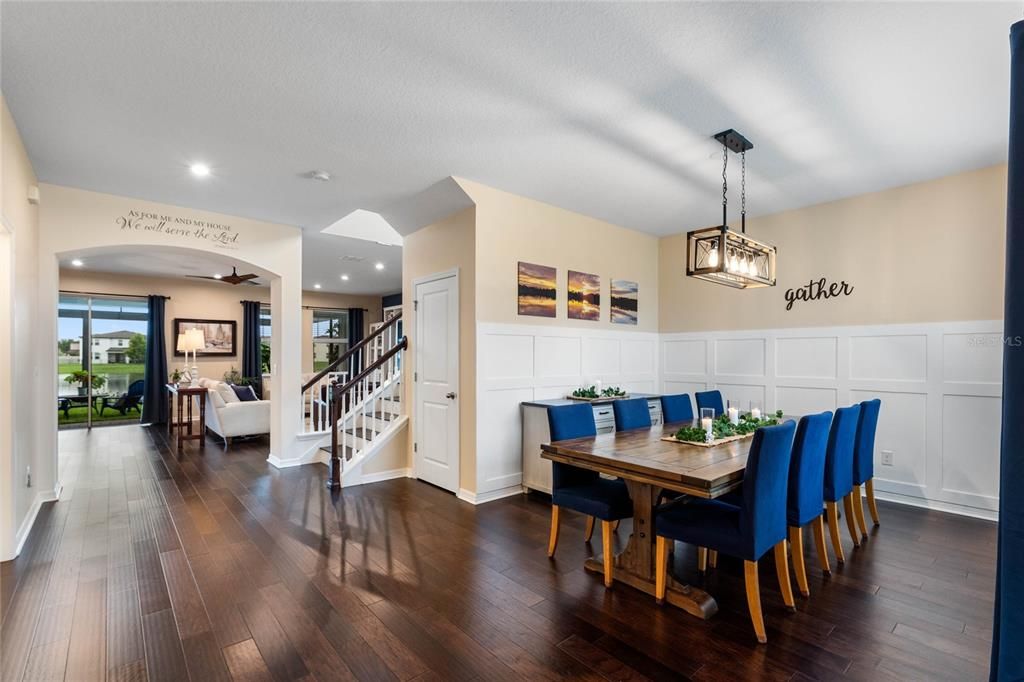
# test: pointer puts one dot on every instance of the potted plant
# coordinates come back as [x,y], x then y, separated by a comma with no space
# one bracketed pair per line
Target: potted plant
[82,378]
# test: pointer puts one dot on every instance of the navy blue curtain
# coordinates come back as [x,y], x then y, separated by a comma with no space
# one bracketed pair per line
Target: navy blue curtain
[154,401]
[1008,625]
[355,335]
[252,357]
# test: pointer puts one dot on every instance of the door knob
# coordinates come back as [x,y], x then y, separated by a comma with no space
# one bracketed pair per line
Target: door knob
[450,396]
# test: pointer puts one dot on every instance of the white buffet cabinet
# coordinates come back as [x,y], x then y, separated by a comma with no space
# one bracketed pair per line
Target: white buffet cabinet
[536,469]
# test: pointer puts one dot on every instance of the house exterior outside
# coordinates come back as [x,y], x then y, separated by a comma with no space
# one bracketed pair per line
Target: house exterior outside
[110,348]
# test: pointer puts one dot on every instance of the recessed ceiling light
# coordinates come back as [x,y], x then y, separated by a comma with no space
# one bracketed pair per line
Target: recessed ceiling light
[316,286]
[344,278]
[217,275]
[200,170]
[379,266]
[77,262]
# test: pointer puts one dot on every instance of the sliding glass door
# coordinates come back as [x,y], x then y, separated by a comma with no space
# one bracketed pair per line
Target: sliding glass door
[101,355]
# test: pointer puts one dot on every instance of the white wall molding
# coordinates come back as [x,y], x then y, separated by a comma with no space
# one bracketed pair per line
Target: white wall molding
[522,362]
[491,496]
[940,385]
[30,519]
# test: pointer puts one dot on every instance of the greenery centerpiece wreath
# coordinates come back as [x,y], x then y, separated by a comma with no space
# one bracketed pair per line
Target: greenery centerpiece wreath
[723,430]
[592,393]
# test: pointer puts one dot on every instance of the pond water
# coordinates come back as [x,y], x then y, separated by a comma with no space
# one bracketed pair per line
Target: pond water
[116,384]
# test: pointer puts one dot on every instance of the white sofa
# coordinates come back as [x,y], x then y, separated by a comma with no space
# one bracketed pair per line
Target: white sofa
[228,417]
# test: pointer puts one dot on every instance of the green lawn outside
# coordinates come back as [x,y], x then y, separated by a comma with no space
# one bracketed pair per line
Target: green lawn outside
[77,415]
[104,369]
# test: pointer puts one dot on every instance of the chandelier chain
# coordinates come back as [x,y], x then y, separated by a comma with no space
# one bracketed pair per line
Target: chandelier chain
[743,184]
[725,184]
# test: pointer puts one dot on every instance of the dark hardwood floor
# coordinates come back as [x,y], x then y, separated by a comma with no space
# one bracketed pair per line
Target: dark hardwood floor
[216,566]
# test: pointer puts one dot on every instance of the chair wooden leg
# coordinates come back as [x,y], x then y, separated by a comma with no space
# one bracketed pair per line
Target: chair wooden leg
[660,568]
[858,511]
[818,530]
[796,541]
[609,554]
[702,559]
[589,532]
[553,540]
[833,530]
[869,487]
[782,570]
[713,558]
[754,600]
[851,521]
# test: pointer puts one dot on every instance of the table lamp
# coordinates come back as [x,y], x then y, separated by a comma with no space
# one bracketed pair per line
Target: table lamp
[192,340]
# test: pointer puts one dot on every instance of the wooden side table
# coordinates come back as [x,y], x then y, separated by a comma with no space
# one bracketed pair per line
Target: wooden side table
[183,397]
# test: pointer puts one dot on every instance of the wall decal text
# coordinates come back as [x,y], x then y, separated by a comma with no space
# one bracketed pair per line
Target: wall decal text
[817,289]
[185,228]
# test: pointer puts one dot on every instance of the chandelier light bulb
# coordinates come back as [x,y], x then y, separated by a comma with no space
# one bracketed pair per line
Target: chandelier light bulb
[713,257]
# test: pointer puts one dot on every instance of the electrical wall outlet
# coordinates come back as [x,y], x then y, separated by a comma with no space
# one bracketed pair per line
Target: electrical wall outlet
[887,458]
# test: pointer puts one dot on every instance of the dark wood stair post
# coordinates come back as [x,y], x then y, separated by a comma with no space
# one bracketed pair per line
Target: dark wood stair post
[334,479]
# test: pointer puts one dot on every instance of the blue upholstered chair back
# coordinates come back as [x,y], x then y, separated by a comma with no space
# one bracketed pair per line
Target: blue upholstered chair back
[763,521]
[807,469]
[676,408]
[864,448]
[839,455]
[565,422]
[633,413]
[712,399]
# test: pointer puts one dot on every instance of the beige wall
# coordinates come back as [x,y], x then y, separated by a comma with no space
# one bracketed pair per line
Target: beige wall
[207,300]
[927,252]
[445,245]
[18,299]
[511,228]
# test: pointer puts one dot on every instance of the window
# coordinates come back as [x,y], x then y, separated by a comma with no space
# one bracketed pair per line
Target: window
[265,329]
[330,336]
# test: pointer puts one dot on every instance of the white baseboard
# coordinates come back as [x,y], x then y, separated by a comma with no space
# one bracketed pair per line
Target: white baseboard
[483,498]
[379,476]
[936,505]
[310,458]
[41,498]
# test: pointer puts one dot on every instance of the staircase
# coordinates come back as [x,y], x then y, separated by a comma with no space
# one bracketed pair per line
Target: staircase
[355,404]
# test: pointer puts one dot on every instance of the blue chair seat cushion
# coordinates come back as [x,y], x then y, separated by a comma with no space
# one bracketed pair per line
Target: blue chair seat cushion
[705,523]
[793,519]
[606,499]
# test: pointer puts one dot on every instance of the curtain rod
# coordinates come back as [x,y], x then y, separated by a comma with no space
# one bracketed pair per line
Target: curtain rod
[311,307]
[101,293]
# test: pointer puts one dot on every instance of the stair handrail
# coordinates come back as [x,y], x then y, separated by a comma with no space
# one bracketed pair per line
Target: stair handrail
[334,482]
[348,353]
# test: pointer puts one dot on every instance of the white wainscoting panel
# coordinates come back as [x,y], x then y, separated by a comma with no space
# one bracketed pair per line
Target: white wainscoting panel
[551,364]
[939,384]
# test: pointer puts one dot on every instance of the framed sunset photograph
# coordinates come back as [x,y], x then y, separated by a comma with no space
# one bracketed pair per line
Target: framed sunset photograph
[537,292]
[624,301]
[584,296]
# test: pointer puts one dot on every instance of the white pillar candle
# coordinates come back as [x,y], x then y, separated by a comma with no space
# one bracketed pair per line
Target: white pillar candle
[705,424]
[755,413]
[734,416]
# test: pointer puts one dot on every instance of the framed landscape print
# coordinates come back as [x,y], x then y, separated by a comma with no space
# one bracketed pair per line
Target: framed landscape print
[624,301]
[537,293]
[584,296]
[218,334]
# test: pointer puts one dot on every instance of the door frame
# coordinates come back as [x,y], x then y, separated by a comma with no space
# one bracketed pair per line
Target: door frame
[416,282]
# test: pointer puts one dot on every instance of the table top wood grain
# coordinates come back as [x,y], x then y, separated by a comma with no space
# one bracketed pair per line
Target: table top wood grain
[642,456]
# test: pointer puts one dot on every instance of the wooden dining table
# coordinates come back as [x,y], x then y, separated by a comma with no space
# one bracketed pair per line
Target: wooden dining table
[649,465]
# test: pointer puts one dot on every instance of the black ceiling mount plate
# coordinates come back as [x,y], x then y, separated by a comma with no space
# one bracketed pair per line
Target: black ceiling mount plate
[734,140]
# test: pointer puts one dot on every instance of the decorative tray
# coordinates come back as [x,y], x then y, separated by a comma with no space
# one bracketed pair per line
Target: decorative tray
[602,399]
[711,444]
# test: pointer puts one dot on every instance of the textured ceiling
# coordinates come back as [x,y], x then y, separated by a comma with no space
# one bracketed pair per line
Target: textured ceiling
[605,109]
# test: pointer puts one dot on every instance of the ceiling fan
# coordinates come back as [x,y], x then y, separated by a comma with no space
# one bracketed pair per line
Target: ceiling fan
[233,278]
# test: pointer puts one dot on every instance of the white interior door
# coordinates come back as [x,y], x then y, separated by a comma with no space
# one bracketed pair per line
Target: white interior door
[436,412]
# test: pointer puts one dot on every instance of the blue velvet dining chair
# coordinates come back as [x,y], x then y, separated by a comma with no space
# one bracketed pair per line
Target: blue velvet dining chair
[583,490]
[747,530]
[712,399]
[805,498]
[676,408]
[839,476]
[864,462]
[633,413]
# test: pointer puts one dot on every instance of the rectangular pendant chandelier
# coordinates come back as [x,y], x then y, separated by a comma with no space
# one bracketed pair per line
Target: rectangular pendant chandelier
[721,255]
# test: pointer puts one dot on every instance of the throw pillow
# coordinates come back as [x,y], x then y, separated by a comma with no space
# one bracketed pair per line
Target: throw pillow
[244,393]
